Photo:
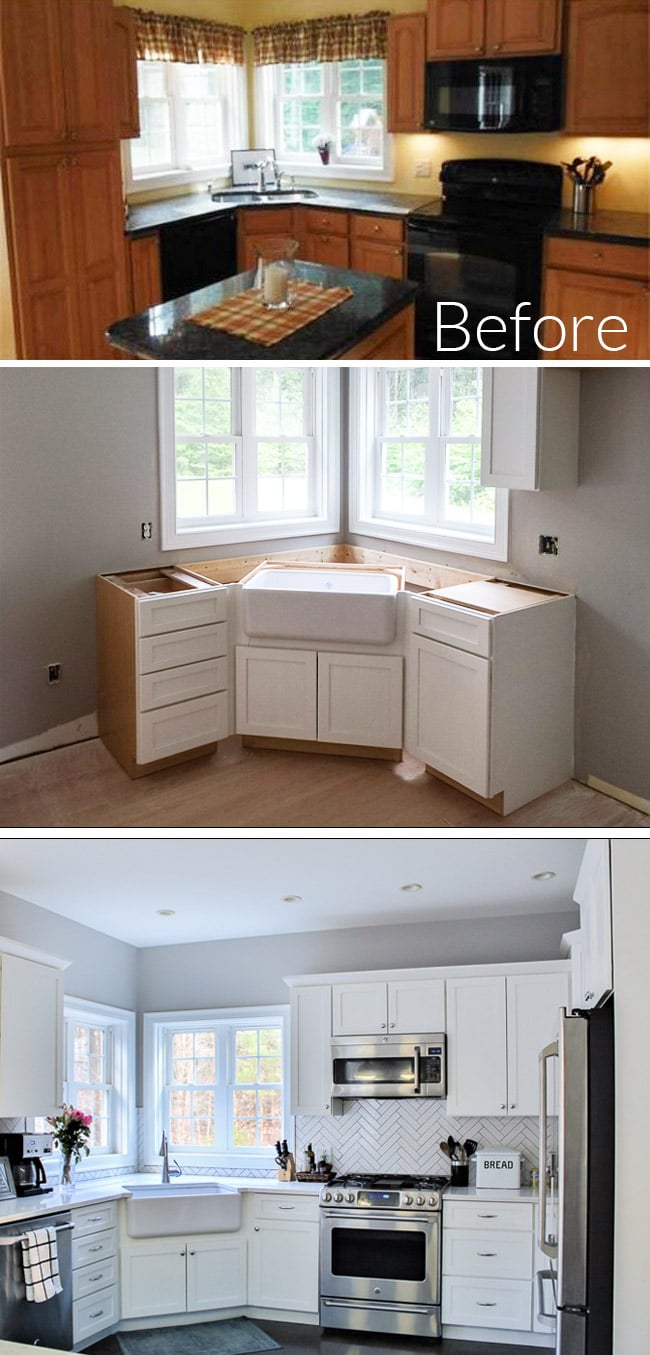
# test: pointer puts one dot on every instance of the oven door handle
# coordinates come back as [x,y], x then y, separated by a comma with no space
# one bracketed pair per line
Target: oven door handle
[376,1307]
[379,1216]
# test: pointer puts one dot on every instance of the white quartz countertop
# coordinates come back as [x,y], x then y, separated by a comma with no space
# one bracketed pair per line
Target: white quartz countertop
[117,1188]
[14,1348]
[485,1193]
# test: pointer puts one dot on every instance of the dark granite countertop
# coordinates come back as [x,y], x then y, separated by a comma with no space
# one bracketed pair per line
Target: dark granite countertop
[149,216]
[163,332]
[618,228]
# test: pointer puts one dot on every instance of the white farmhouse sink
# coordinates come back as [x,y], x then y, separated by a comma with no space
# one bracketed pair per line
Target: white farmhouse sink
[320,604]
[166,1210]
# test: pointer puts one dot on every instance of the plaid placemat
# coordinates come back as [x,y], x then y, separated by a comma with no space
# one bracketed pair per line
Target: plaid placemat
[245,316]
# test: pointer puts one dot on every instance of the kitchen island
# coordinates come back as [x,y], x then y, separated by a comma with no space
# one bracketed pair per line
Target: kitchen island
[376,322]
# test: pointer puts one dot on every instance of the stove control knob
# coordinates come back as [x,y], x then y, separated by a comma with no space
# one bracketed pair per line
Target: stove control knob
[327,1196]
[420,1200]
[433,1200]
[408,1199]
[338,1197]
[350,1198]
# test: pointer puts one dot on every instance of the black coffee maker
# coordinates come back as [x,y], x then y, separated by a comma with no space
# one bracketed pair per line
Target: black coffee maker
[25,1152]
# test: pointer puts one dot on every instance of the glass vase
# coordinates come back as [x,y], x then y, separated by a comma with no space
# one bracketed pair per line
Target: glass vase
[68,1169]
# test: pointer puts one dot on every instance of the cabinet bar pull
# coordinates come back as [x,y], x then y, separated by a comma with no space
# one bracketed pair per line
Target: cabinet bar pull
[481,1303]
[487,1253]
[487,1216]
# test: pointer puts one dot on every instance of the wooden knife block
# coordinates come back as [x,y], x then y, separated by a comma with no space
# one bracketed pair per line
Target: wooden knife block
[288,1173]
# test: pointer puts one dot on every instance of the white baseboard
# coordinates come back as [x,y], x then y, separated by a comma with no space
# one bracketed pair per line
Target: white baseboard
[75,731]
[615,793]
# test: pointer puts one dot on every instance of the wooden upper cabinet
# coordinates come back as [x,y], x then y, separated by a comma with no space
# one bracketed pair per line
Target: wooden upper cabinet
[607,68]
[33,107]
[406,47]
[126,73]
[88,69]
[470,28]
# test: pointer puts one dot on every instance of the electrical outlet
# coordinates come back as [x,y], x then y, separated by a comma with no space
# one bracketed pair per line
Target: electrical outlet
[423,169]
[53,673]
[145,530]
[548,545]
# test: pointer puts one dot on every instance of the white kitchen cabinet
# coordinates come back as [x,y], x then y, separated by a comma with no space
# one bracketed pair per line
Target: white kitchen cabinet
[216,1272]
[95,1282]
[311,1061]
[487,1265]
[178,1275]
[283,1265]
[403,1007]
[276,692]
[572,945]
[530,429]
[496,1027]
[31,1036]
[593,894]
[450,714]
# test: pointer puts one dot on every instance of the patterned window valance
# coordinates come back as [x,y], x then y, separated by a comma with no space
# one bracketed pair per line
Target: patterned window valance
[343,37]
[173,37]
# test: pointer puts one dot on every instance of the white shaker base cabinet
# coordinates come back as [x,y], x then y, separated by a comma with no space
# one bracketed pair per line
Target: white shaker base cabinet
[283,1262]
[451,691]
[276,692]
[183,1275]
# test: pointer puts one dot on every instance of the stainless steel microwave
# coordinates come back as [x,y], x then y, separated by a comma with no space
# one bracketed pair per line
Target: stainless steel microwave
[511,94]
[392,1066]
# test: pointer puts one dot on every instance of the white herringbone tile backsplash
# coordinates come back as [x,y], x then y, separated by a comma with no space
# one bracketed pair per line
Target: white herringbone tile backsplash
[405,1136]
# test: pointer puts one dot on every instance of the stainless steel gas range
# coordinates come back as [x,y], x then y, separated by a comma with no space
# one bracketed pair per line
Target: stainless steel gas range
[380,1256]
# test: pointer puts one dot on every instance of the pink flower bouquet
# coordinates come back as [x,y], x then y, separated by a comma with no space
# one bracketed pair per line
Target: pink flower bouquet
[71,1131]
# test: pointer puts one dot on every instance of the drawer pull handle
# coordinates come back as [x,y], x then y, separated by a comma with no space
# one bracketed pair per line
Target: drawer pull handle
[286,1206]
[482,1303]
[92,1316]
[487,1253]
[100,1247]
[93,1278]
[487,1216]
[96,1218]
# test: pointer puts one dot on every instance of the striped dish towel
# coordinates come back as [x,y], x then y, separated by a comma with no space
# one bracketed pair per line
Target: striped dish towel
[41,1265]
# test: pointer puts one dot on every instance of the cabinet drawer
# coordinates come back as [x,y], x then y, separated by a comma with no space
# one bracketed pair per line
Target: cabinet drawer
[329,223]
[366,227]
[303,1207]
[495,1303]
[489,1215]
[266,221]
[159,614]
[95,1248]
[182,684]
[90,1279]
[488,1255]
[597,256]
[176,729]
[185,646]
[452,625]
[94,1314]
[94,1219]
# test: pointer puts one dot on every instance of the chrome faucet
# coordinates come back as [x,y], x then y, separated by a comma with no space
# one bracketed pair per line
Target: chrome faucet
[168,1172]
[261,167]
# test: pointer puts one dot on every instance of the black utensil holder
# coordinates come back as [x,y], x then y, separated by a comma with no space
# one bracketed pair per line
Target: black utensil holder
[460,1174]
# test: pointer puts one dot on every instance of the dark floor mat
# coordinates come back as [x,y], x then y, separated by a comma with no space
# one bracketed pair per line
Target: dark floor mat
[233,1336]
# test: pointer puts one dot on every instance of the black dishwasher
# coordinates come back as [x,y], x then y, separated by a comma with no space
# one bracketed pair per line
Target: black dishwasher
[196,252]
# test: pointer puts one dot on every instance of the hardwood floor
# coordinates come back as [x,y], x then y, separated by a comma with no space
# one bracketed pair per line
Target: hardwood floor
[83,787]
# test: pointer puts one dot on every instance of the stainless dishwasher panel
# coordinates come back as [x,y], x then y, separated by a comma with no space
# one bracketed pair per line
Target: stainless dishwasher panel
[48,1323]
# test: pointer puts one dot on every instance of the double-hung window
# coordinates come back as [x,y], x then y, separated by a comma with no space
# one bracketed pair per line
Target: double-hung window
[416,437]
[247,453]
[100,1077]
[190,116]
[342,103]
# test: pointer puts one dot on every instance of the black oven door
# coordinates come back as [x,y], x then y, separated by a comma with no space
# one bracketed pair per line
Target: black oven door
[486,266]
[386,1259]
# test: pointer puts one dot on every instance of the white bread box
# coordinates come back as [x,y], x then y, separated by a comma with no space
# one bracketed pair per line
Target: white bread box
[498,1167]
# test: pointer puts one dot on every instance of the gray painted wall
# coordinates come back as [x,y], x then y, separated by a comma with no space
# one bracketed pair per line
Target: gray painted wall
[78,474]
[102,969]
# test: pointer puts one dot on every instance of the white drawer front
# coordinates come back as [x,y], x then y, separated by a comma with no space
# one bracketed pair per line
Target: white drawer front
[182,684]
[175,729]
[490,1254]
[94,1313]
[186,646]
[302,1207]
[176,611]
[456,626]
[88,1249]
[470,1214]
[94,1219]
[90,1279]
[496,1303]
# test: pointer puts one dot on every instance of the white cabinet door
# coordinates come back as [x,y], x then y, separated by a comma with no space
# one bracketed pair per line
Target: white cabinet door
[153,1278]
[416,1006]
[533,1019]
[449,712]
[284,1266]
[359,1009]
[476,1046]
[360,699]
[216,1272]
[31,1035]
[593,894]
[311,1063]
[276,692]
[530,429]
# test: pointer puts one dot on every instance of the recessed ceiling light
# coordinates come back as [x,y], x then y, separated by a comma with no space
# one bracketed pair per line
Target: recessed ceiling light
[292,898]
[165,912]
[544,875]
[410,889]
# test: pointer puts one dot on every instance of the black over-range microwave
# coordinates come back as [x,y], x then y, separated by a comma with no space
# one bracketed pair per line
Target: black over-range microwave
[511,94]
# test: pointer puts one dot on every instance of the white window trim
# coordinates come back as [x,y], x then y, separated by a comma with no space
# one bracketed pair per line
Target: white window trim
[236,135]
[361,469]
[154,1026]
[327,441]
[122,1026]
[311,166]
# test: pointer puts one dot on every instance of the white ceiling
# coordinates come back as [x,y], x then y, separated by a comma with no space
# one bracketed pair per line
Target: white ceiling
[234,887]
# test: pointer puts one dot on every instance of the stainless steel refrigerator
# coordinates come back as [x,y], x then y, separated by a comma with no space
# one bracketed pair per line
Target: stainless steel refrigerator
[576,1214]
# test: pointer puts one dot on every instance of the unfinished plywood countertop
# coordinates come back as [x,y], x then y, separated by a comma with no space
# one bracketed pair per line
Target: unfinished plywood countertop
[494,596]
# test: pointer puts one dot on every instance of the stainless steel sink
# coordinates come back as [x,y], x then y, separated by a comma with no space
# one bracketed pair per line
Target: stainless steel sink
[276,195]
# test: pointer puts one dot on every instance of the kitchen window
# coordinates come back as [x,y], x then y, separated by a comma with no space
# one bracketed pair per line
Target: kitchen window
[100,1077]
[341,102]
[247,453]
[190,117]
[218,1085]
[415,459]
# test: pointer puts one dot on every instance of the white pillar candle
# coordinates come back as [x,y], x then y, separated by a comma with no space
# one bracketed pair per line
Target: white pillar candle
[276,285]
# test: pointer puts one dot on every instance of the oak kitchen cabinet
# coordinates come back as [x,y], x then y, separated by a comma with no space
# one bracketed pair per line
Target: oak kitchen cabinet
[531,428]
[126,72]
[400,1007]
[325,235]
[378,245]
[516,1015]
[607,68]
[594,897]
[469,28]
[31,1032]
[255,225]
[405,72]
[182,1274]
[144,270]
[596,278]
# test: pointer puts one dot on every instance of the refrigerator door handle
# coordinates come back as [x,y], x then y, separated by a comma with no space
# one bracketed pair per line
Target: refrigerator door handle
[546,1246]
[548,1319]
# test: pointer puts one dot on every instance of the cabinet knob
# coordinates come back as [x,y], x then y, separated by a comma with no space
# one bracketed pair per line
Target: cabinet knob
[513,1106]
[504,1106]
[192,1253]
[392,1025]
[478,49]
[382,1025]
[598,254]
[497,47]
[376,228]
[74,136]
[256,1229]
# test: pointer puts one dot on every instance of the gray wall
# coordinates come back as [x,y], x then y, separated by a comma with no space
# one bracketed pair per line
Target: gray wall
[102,969]
[78,474]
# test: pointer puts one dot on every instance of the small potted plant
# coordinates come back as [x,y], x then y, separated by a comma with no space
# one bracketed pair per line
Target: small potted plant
[324,146]
[71,1132]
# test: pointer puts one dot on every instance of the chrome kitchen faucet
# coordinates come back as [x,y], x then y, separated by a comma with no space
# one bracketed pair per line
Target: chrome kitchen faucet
[167,1173]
